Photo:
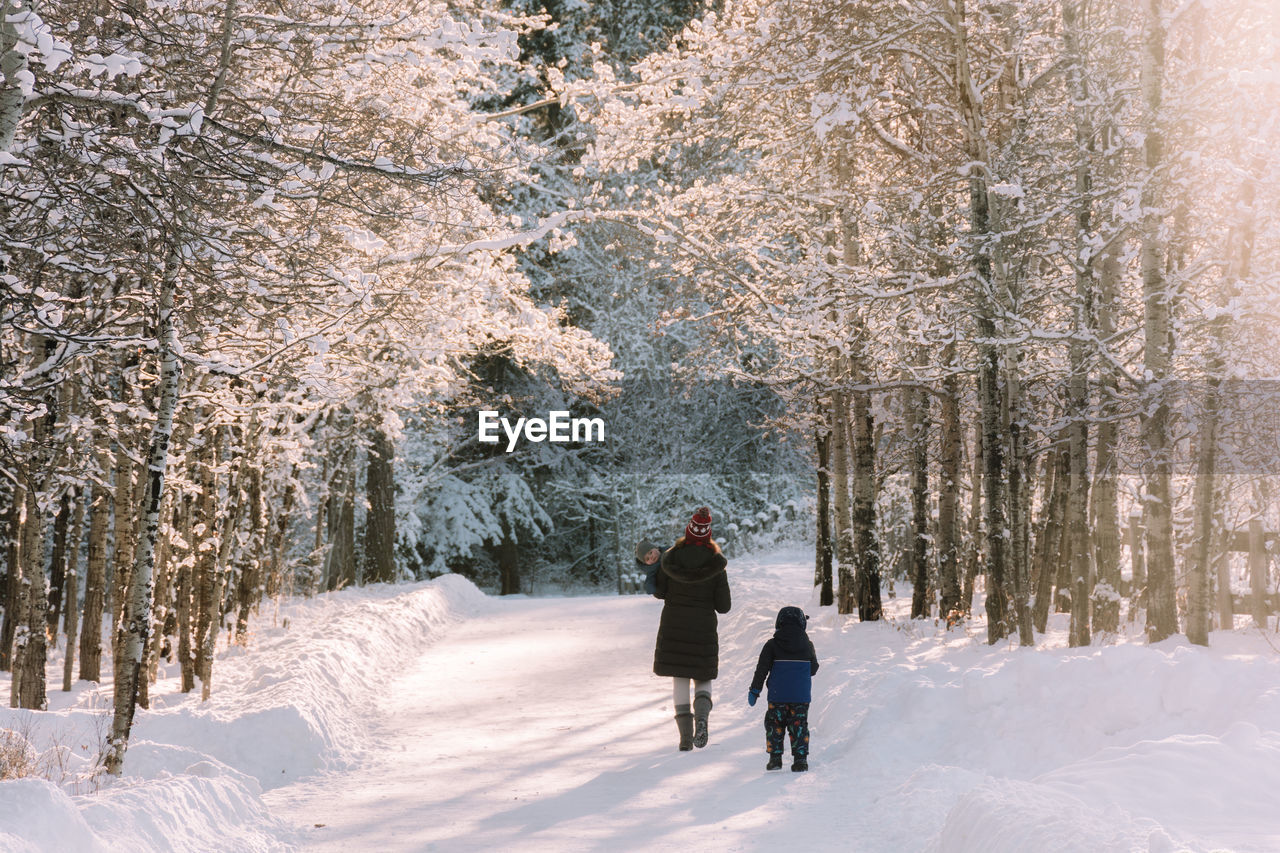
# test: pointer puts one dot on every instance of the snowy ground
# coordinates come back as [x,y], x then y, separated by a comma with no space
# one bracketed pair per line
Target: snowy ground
[432,718]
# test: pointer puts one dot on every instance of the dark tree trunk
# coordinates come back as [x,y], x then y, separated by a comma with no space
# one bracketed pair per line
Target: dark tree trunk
[951,604]
[251,559]
[1019,511]
[9,525]
[918,402]
[28,689]
[1049,538]
[279,539]
[995,528]
[204,571]
[380,523]
[508,564]
[974,554]
[71,606]
[95,585]
[340,560]
[184,604]
[822,569]
[58,566]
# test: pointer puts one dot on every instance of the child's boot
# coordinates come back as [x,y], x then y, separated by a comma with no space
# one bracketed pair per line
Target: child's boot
[701,711]
[684,722]
[775,761]
[799,763]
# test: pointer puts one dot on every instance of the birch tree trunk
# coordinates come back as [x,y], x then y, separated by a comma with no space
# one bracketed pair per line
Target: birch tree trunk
[1198,590]
[1162,613]
[71,605]
[13,65]
[990,387]
[1105,505]
[138,604]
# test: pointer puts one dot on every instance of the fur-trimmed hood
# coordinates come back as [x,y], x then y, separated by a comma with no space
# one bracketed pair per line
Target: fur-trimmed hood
[693,563]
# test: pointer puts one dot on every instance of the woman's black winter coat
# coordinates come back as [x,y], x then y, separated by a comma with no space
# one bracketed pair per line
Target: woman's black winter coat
[695,587]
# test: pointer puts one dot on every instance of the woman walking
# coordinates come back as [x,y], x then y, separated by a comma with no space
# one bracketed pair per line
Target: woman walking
[695,587]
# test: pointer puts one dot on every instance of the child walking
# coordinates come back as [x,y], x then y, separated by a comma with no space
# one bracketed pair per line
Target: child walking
[789,662]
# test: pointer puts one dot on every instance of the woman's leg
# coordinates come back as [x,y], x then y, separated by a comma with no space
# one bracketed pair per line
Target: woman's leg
[684,716]
[701,710]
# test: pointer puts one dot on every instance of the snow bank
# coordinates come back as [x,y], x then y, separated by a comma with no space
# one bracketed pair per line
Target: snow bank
[36,816]
[1209,791]
[300,701]
[954,745]
[297,702]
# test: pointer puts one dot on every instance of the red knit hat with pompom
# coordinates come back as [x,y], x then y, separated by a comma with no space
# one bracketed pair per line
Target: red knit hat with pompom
[698,530]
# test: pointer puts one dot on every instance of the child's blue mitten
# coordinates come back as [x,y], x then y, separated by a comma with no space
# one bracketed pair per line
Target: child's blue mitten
[752,696]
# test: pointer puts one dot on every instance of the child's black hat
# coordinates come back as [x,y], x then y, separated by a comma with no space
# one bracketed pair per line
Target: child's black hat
[791,616]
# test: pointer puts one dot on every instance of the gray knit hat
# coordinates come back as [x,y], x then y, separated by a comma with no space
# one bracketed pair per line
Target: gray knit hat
[643,548]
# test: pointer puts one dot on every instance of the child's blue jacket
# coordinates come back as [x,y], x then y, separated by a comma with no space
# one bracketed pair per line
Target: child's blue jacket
[788,660]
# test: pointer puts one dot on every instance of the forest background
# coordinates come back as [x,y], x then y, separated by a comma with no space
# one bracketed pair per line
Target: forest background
[979,296]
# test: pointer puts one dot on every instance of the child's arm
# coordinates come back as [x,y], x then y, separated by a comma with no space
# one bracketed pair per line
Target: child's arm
[763,666]
[660,581]
[813,660]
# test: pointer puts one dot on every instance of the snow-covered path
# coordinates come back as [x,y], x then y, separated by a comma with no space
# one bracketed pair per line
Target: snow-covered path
[540,727]
[536,725]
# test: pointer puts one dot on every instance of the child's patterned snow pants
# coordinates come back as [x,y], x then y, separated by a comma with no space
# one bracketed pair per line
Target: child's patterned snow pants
[791,718]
